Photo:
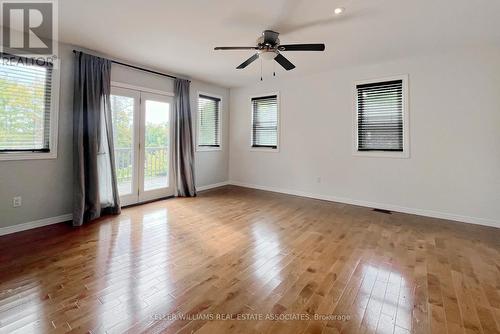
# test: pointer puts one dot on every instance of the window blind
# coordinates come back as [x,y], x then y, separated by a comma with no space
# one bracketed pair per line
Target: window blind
[208,127]
[25,98]
[265,121]
[380,116]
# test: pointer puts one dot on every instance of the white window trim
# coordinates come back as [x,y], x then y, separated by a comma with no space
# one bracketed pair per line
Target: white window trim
[406,120]
[198,119]
[54,120]
[278,103]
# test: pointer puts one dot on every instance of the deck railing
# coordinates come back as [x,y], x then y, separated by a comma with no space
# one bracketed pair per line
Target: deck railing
[156,163]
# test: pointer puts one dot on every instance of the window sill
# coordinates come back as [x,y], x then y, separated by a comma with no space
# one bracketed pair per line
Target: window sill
[208,149]
[27,156]
[264,149]
[382,154]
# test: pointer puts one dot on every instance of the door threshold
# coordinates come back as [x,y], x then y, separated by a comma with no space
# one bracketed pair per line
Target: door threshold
[147,202]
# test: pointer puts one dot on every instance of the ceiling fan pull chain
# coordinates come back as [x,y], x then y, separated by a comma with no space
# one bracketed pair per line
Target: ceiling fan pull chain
[261,69]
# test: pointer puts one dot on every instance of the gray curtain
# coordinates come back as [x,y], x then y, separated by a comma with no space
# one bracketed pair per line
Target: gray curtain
[183,148]
[95,189]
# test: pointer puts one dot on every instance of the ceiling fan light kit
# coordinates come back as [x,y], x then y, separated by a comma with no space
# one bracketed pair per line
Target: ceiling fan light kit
[269,47]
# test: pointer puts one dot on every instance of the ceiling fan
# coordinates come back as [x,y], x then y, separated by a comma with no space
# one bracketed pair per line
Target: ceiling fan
[269,47]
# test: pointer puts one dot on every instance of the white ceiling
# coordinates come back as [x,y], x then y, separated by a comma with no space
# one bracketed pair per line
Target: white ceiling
[179,36]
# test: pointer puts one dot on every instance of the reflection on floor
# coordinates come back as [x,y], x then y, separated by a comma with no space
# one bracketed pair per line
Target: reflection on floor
[272,263]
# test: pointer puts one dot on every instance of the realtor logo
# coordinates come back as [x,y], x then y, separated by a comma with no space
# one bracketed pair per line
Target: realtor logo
[29,27]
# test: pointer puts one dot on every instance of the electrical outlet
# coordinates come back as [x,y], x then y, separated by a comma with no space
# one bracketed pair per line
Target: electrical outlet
[17,201]
[318,179]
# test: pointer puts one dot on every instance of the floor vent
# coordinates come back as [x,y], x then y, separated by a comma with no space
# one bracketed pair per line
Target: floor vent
[387,212]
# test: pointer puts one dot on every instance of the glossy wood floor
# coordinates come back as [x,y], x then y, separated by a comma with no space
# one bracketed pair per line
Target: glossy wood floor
[239,253]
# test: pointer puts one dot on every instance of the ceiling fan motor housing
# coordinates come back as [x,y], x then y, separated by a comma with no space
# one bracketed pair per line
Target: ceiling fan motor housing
[262,44]
[268,49]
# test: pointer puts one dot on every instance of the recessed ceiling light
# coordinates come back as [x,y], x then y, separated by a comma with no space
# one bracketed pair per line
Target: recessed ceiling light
[339,10]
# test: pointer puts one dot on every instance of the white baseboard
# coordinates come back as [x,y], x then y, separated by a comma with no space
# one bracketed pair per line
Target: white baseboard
[211,186]
[396,208]
[35,224]
[391,207]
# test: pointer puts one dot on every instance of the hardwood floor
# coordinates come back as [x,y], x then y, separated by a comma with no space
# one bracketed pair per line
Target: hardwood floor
[245,254]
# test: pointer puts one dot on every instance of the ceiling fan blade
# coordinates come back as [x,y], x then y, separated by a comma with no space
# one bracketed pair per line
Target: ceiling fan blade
[287,65]
[270,37]
[236,48]
[302,47]
[248,61]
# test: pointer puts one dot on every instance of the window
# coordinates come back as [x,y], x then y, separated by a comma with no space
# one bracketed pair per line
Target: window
[265,122]
[26,103]
[381,116]
[208,122]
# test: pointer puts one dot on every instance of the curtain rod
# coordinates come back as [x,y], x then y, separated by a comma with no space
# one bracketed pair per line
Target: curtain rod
[141,69]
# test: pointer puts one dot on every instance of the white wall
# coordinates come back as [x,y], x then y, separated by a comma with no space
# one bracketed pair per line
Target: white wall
[46,186]
[454,165]
[211,167]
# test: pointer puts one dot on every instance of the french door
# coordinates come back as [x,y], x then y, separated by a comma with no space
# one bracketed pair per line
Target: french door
[142,137]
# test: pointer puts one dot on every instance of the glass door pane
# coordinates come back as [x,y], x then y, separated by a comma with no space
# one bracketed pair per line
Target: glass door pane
[156,145]
[155,150]
[123,119]
[124,108]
